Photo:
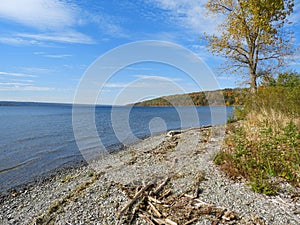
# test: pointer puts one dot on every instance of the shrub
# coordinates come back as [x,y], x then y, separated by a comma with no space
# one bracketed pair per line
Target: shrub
[260,152]
[266,143]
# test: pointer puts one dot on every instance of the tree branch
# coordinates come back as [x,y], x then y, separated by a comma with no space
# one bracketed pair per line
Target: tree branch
[224,7]
[269,57]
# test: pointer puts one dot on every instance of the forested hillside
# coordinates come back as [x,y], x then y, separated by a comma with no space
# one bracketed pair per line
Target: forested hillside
[227,96]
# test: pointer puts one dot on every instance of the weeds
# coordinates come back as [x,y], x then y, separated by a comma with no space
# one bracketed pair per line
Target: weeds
[265,144]
[267,153]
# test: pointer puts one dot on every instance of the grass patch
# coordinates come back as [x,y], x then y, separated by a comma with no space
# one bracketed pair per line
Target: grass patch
[261,153]
[265,144]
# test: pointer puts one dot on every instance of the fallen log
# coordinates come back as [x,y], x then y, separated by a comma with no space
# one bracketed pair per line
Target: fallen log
[132,201]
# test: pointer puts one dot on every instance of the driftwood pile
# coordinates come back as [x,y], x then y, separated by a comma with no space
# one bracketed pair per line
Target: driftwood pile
[155,203]
[166,147]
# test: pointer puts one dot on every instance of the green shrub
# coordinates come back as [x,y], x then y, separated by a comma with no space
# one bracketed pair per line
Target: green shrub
[282,96]
[273,154]
[266,143]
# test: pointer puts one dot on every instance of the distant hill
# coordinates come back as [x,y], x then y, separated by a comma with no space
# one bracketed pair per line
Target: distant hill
[227,96]
[13,103]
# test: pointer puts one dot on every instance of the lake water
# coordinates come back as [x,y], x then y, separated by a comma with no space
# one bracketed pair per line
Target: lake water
[38,139]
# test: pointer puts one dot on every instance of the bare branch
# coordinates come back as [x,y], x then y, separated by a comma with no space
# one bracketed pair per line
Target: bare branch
[223,6]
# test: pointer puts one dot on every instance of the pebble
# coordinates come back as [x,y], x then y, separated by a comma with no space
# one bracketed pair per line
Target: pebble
[99,201]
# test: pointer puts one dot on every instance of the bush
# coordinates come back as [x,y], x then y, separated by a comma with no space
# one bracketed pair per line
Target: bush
[282,96]
[260,152]
[266,143]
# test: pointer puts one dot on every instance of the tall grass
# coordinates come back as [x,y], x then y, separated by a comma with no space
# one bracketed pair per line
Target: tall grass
[265,144]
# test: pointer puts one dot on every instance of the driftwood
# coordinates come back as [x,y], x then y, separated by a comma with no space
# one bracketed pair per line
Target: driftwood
[145,217]
[159,188]
[191,221]
[170,222]
[154,200]
[159,203]
[173,133]
[137,195]
[155,203]
[157,213]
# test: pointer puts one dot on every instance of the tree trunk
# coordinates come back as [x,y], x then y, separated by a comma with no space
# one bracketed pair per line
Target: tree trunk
[253,84]
[253,88]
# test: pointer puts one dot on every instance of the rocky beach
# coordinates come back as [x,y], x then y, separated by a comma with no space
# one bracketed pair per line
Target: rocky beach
[165,179]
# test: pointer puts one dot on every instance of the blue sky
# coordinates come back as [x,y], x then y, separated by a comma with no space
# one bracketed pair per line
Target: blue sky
[47,45]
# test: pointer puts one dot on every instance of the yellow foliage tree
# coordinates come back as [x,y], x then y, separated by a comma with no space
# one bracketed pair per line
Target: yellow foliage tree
[253,37]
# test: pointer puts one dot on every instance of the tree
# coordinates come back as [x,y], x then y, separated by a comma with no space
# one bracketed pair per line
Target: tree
[289,79]
[253,37]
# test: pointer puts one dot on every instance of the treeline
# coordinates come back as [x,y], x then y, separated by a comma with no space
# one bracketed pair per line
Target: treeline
[228,96]
[13,103]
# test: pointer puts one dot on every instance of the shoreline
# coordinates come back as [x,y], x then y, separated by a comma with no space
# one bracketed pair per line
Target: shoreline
[64,170]
[39,180]
[59,171]
[98,192]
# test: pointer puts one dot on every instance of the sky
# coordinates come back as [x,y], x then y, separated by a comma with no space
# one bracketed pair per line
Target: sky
[48,47]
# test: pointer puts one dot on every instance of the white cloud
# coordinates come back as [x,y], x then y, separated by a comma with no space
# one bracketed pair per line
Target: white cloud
[163,35]
[116,85]
[23,81]
[58,56]
[198,47]
[106,24]
[160,78]
[143,81]
[202,52]
[22,87]
[128,85]
[42,39]
[13,84]
[36,70]
[18,41]
[16,74]
[21,84]
[138,68]
[37,88]
[190,14]
[66,37]
[40,14]
[225,78]
[55,21]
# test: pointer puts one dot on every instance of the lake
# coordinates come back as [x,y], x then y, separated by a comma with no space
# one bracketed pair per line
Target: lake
[37,139]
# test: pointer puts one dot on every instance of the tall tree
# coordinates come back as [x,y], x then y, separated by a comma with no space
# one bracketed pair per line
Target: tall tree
[252,36]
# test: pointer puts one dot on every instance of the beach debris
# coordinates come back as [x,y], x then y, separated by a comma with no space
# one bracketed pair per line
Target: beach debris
[14,194]
[164,149]
[136,196]
[68,178]
[157,204]
[172,133]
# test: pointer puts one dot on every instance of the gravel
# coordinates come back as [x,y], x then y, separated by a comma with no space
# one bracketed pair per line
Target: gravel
[93,194]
